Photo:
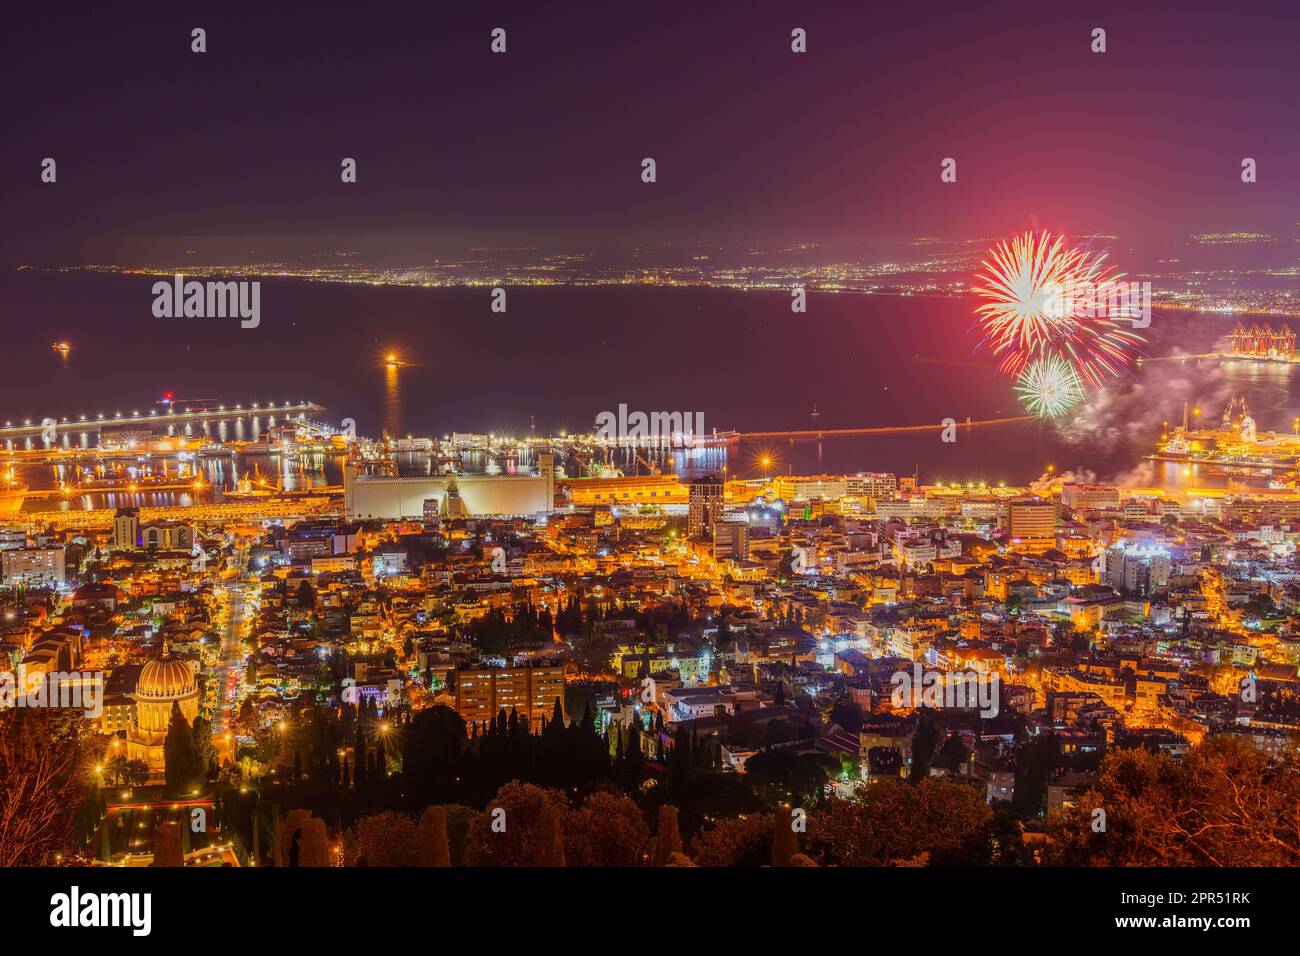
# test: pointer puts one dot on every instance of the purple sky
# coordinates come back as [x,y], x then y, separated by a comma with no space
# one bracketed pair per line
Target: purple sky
[156,145]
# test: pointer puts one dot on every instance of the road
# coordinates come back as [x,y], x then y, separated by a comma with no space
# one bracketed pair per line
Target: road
[229,674]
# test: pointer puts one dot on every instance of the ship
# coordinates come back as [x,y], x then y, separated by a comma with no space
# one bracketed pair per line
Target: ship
[12,494]
[254,486]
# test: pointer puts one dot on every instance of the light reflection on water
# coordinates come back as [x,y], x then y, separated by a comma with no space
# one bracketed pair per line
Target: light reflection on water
[392,401]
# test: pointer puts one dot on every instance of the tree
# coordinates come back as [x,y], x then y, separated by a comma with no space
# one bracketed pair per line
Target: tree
[924,741]
[785,843]
[848,714]
[307,599]
[182,769]
[314,849]
[892,821]
[668,839]
[1224,804]
[383,839]
[550,837]
[167,850]
[1037,758]
[433,744]
[522,826]
[205,751]
[783,776]
[435,850]
[744,841]
[952,755]
[608,830]
[42,755]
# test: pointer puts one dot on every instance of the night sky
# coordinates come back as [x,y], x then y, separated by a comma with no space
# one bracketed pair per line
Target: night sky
[159,148]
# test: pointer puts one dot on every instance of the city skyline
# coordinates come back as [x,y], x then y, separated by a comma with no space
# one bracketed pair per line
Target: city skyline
[749,437]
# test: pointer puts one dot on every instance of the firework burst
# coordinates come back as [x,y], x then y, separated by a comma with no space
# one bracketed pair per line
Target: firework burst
[1039,302]
[1049,387]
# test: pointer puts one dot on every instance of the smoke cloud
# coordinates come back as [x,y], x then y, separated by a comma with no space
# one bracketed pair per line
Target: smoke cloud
[1128,416]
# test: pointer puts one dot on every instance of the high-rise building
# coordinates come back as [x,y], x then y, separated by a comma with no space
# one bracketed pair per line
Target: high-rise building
[33,566]
[1031,518]
[731,540]
[807,487]
[1082,497]
[483,692]
[871,484]
[705,507]
[1132,569]
[432,514]
[126,528]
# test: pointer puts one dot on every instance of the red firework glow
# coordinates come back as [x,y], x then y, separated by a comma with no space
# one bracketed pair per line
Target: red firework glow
[1039,303]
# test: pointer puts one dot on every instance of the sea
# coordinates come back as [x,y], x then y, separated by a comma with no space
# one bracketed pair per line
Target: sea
[558,357]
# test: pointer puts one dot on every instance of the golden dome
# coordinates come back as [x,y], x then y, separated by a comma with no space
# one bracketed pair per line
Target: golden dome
[166,679]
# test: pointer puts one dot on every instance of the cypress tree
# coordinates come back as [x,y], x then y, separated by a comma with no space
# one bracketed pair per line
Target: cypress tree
[180,758]
[434,848]
[550,842]
[784,842]
[634,755]
[668,838]
[359,747]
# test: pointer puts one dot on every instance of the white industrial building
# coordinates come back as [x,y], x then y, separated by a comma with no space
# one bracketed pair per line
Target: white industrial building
[383,496]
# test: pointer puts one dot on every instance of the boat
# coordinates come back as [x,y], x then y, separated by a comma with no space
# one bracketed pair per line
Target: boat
[12,494]
[253,486]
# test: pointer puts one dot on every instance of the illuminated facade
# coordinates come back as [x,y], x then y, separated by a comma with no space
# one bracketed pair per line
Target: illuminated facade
[705,506]
[482,693]
[383,496]
[1032,518]
[162,683]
